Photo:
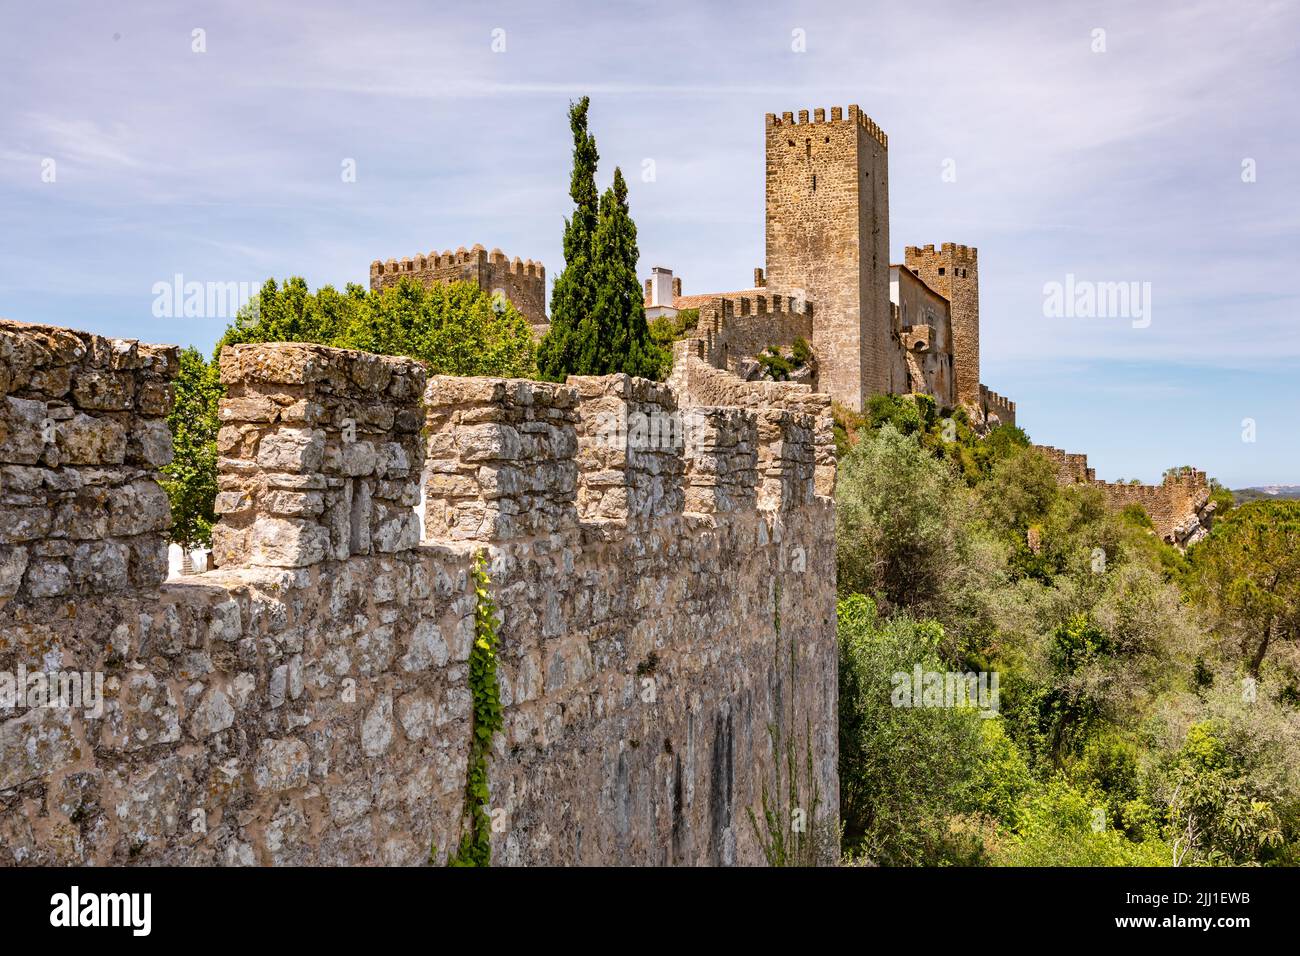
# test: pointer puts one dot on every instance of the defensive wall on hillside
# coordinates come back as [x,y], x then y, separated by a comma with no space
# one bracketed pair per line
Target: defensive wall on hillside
[1179,507]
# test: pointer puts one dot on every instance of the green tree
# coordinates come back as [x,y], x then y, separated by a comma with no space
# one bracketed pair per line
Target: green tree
[903,770]
[1248,573]
[598,323]
[1216,814]
[1060,825]
[190,479]
[569,344]
[623,339]
[290,312]
[899,528]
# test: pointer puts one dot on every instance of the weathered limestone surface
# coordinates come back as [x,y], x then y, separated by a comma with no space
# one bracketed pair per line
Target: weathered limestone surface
[83,432]
[696,381]
[320,454]
[953,272]
[318,712]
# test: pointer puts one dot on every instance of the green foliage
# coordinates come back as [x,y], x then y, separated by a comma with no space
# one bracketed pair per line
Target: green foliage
[1001,777]
[949,436]
[190,479]
[801,352]
[778,366]
[1136,515]
[598,323]
[1247,572]
[454,329]
[908,414]
[902,769]
[1148,699]
[665,330]
[485,720]
[1213,812]
[895,523]
[775,365]
[1062,826]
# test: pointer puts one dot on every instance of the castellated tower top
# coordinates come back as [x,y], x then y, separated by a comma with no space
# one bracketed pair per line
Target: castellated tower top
[953,272]
[855,115]
[827,242]
[521,281]
[949,250]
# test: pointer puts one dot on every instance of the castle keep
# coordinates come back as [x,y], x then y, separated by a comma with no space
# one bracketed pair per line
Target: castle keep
[875,327]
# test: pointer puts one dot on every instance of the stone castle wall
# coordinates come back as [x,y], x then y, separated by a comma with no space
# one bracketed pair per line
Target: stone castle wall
[83,432]
[996,409]
[922,333]
[1179,507]
[662,605]
[522,281]
[739,326]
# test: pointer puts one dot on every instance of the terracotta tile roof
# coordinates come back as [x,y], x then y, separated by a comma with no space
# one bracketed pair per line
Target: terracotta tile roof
[695,301]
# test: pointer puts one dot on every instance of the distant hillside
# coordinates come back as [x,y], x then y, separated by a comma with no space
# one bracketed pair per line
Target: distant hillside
[1242,495]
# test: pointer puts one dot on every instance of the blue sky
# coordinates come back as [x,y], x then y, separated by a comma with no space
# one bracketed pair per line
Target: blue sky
[1122,165]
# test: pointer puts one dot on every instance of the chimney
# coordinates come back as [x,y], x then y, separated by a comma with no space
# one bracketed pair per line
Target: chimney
[759,281]
[677,287]
[661,287]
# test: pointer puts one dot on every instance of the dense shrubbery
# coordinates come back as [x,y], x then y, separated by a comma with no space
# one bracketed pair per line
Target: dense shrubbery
[1148,700]
[453,329]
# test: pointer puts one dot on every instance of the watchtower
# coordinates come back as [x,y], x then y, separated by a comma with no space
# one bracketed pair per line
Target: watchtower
[828,240]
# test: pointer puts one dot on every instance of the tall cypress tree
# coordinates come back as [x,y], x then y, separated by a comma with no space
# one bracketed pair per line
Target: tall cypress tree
[623,337]
[573,297]
[598,321]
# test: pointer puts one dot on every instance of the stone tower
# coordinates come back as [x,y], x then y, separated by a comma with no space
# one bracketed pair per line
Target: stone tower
[828,241]
[953,271]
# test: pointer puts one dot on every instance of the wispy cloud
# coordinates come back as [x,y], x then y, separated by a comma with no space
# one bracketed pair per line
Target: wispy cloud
[1117,165]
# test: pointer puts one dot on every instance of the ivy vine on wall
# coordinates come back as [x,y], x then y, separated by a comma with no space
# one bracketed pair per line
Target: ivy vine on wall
[485,720]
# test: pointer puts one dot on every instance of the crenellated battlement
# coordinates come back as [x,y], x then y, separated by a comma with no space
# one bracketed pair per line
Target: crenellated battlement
[838,115]
[502,459]
[949,250]
[697,381]
[83,434]
[311,697]
[413,265]
[512,459]
[1071,468]
[320,453]
[738,326]
[522,281]
[997,408]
